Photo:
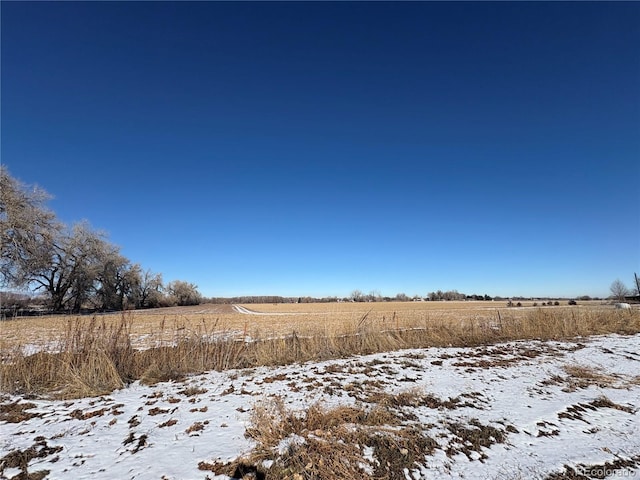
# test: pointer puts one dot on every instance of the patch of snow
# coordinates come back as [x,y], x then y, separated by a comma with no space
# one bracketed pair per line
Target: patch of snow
[292,441]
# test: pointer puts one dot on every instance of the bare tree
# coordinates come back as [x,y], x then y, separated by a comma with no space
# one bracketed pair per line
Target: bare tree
[74,267]
[374,296]
[356,296]
[184,293]
[27,228]
[401,297]
[69,271]
[149,290]
[117,280]
[618,290]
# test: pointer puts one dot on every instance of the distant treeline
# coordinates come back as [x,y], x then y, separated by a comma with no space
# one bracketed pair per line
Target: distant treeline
[400,297]
[21,304]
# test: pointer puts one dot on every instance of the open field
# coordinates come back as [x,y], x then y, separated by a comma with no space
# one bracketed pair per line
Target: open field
[323,392]
[149,328]
[93,355]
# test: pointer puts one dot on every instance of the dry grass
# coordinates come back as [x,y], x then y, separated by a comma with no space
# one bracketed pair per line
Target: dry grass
[20,459]
[473,437]
[620,467]
[165,325]
[16,412]
[93,356]
[581,376]
[352,442]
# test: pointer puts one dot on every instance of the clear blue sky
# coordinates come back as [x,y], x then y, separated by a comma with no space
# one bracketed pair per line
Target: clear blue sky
[313,148]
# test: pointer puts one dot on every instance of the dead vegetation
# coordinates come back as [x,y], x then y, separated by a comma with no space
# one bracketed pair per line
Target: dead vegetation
[96,356]
[381,433]
[621,467]
[415,398]
[582,376]
[471,439]
[355,442]
[20,459]
[16,412]
[577,411]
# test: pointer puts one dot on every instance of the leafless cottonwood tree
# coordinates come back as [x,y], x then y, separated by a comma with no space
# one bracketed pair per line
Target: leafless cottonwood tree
[618,290]
[76,267]
[117,281]
[73,266]
[70,270]
[28,230]
[184,293]
[149,290]
[356,296]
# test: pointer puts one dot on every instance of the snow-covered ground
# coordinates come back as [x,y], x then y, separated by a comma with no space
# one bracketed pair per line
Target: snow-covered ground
[246,311]
[557,403]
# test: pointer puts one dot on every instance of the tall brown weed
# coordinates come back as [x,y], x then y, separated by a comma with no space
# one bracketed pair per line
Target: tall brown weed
[95,356]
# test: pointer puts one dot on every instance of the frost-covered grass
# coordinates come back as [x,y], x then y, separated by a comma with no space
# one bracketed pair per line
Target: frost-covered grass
[545,409]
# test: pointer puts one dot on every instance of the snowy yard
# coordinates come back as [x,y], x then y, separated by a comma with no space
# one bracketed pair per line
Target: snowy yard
[515,410]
